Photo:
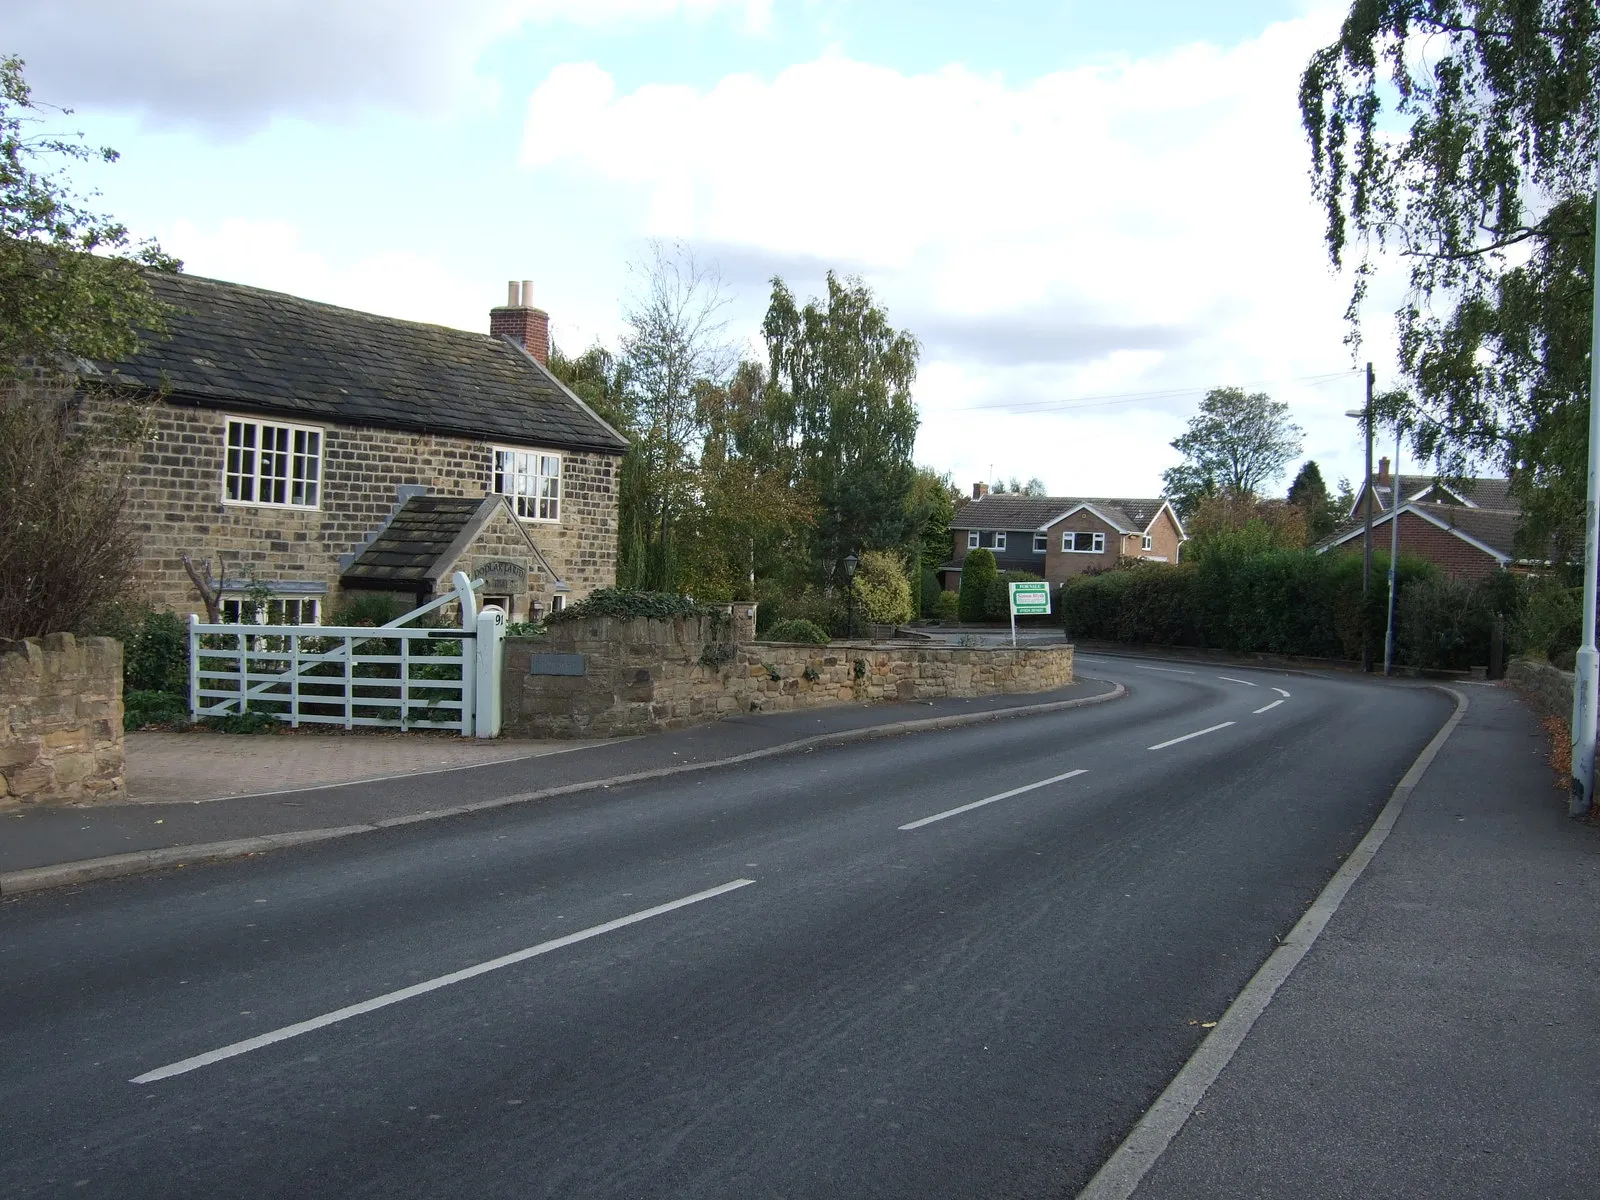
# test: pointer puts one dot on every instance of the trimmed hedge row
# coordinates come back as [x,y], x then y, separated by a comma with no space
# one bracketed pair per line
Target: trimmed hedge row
[1277,602]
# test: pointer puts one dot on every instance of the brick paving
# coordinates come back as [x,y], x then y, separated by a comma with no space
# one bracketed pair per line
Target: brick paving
[185,767]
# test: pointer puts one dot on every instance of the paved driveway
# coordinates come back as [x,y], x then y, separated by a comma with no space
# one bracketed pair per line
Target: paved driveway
[173,767]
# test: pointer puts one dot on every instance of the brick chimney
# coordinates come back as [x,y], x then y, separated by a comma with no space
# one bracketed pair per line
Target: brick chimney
[979,490]
[520,320]
[1383,471]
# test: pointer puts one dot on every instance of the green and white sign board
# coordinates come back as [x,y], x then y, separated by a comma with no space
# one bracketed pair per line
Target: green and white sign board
[1028,600]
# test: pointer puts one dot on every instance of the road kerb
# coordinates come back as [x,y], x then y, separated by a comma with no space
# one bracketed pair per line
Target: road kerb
[32,879]
[1119,1178]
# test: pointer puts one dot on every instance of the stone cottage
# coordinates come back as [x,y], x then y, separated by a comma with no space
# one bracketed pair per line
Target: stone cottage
[313,452]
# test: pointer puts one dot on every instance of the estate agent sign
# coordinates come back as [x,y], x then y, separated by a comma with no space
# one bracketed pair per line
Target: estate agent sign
[1031,599]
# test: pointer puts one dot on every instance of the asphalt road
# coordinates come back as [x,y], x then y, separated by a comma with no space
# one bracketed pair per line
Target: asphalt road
[558,1000]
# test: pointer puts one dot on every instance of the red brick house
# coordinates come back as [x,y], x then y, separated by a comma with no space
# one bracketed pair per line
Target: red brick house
[1467,527]
[1057,537]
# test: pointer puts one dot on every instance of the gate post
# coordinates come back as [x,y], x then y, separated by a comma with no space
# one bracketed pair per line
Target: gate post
[194,669]
[491,657]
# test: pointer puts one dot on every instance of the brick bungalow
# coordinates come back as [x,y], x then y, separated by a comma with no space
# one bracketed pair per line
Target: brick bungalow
[314,452]
[1467,527]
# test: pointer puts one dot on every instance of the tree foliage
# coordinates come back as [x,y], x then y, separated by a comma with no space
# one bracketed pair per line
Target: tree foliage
[71,281]
[977,573]
[1237,443]
[1319,510]
[839,402]
[1462,134]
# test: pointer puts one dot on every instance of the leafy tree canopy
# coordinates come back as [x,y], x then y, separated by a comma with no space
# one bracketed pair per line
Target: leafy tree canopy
[839,398]
[1237,443]
[70,280]
[1462,134]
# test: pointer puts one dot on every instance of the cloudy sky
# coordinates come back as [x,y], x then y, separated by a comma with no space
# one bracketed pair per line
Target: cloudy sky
[1089,213]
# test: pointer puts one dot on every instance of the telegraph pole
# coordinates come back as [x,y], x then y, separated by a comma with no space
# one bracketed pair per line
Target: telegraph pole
[1585,686]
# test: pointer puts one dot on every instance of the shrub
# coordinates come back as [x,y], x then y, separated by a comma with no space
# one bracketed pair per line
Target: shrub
[883,593]
[797,629]
[930,593]
[1551,621]
[1443,623]
[977,571]
[372,608]
[947,607]
[628,603]
[141,709]
[778,603]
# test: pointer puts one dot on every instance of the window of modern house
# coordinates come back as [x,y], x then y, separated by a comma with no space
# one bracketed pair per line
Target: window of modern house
[269,463]
[999,541]
[1041,543]
[1148,543]
[972,539]
[533,481]
[1083,543]
[275,610]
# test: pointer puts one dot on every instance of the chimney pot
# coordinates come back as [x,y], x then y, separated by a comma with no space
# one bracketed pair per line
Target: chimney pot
[521,321]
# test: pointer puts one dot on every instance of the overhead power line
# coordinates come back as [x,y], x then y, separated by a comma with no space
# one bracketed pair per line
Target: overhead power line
[1077,402]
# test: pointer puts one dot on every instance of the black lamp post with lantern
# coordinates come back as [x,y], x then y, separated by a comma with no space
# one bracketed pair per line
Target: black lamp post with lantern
[850,561]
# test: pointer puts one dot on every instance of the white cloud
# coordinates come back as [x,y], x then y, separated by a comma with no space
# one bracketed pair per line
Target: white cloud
[1151,218]
[234,66]
[272,254]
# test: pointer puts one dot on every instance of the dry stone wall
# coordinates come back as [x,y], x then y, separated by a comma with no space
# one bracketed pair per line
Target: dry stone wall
[60,720]
[643,675]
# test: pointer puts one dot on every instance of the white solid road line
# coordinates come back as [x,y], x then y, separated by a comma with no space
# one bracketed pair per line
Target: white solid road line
[1187,736]
[1166,670]
[1266,708]
[430,985]
[1231,679]
[1281,692]
[1017,791]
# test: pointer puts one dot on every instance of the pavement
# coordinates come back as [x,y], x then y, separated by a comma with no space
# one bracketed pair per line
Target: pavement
[204,796]
[1436,1039]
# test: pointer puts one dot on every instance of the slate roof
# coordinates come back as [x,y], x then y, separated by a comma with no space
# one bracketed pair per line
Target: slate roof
[244,348]
[424,536]
[1037,512]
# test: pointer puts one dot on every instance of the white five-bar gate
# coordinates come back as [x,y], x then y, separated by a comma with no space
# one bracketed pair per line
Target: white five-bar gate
[394,675]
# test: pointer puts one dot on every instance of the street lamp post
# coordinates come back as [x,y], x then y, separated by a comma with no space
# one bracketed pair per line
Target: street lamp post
[1365,415]
[1585,685]
[850,561]
[1394,554]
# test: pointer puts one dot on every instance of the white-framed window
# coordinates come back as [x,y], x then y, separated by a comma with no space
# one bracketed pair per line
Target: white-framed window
[999,540]
[270,463]
[972,539]
[275,610]
[557,602]
[1148,543]
[532,478]
[1041,542]
[1083,543]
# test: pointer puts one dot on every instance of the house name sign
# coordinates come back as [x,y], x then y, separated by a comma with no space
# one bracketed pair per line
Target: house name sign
[502,576]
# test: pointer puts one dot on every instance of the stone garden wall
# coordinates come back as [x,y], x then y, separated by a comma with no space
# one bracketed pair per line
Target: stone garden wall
[60,720]
[1547,689]
[607,678]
